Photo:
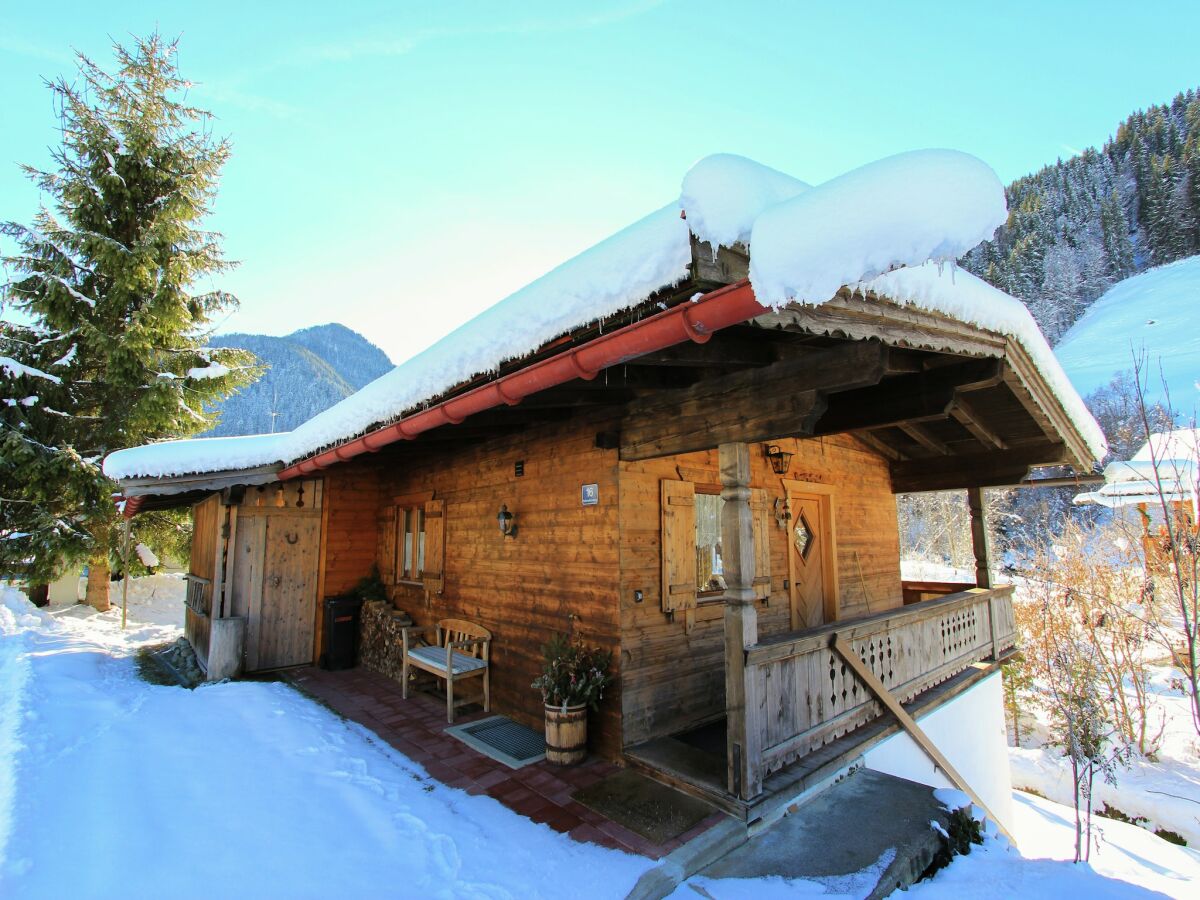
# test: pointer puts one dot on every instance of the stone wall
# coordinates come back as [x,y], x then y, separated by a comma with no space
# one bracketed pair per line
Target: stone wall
[379,637]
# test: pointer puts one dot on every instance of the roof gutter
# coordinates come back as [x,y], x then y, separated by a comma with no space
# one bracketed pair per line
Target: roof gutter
[695,321]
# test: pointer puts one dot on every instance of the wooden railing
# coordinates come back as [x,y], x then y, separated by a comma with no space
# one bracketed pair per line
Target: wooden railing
[807,696]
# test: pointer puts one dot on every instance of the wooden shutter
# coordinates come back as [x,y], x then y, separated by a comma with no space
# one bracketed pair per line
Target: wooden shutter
[385,555]
[434,573]
[760,512]
[678,545]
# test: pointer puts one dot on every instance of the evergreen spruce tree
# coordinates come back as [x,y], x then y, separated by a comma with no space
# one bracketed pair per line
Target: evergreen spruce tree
[1131,205]
[107,274]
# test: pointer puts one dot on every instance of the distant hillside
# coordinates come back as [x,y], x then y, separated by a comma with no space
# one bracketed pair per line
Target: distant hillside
[307,372]
[1081,225]
[1155,313]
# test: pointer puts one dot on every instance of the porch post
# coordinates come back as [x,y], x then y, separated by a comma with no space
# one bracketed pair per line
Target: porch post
[981,542]
[744,754]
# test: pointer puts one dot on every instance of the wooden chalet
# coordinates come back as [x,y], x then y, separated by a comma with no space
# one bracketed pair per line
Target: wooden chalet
[705,486]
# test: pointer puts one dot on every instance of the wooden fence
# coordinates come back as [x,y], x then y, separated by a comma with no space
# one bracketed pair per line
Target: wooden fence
[807,696]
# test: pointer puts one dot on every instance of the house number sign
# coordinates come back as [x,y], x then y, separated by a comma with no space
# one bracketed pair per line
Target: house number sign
[590,494]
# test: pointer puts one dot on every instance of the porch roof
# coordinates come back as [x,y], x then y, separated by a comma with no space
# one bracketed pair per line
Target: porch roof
[910,214]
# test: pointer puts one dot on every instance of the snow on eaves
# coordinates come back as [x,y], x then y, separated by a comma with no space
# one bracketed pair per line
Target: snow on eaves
[900,211]
[219,454]
[723,194]
[806,243]
[617,273]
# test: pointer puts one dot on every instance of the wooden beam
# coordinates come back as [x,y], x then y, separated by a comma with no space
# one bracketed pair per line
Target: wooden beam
[1000,468]
[742,709]
[902,399]
[1031,391]
[981,541]
[883,449]
[970,419]
[725,266]
[780,400]
[922,436]
[208,481]
[854,317]
[909,724]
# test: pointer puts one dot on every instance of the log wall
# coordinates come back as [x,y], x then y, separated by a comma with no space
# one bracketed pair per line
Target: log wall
[673,675]
[559,572]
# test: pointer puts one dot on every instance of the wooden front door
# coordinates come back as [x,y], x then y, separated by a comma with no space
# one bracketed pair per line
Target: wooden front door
[811,559]
[279,557]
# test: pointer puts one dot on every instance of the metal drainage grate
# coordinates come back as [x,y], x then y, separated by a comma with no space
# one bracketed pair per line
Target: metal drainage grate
[503,740]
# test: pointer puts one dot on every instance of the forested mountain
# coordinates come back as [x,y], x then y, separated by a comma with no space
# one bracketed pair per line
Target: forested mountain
[306,372]
[1078,226]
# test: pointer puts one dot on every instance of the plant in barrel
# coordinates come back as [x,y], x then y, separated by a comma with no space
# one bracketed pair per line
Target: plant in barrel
[573,679]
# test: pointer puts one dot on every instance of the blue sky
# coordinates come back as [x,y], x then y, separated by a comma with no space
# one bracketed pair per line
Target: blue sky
[399,166]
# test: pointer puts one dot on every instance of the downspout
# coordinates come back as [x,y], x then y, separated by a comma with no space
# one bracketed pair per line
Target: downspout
[695,321]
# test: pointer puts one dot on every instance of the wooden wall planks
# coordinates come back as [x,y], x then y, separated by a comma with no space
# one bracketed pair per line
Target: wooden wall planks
[559,572]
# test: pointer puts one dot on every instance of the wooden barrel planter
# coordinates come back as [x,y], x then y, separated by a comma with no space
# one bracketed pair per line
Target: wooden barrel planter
[566,735]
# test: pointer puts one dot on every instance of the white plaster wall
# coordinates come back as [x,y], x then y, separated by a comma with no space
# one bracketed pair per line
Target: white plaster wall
[970,731]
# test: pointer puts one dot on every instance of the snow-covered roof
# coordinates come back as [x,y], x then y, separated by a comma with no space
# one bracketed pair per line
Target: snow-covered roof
[1170,460]
[216,454]
[921,207]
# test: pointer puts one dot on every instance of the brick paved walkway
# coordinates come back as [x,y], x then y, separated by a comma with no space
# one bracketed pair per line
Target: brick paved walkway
[415,727]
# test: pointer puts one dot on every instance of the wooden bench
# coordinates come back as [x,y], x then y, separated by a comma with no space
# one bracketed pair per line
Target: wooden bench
[459,651]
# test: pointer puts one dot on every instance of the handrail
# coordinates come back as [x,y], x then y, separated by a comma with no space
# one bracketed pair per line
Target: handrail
[783,646]
[807,695]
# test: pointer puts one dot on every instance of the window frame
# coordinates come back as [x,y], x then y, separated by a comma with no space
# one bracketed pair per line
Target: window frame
[408,558]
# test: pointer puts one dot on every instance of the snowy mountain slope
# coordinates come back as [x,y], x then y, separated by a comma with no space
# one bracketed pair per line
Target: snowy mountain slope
[350,354]
[1156,312]
[307,372]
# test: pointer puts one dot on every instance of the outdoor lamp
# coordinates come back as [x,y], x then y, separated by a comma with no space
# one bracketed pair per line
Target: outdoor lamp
[507,521]
[781,460]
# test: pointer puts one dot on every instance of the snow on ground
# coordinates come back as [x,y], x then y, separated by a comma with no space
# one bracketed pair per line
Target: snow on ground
[1164,790]
[1126,862]
[113,787]
[1153,312]
[155,614]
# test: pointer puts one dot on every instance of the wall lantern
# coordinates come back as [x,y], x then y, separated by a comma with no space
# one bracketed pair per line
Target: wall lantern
[781,460]
[507,522]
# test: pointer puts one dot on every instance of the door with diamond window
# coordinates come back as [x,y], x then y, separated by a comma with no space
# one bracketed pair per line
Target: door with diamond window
[811,559]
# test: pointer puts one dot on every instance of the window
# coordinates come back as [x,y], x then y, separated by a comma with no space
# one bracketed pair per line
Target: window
[709,569]
[693,569]
[411,547]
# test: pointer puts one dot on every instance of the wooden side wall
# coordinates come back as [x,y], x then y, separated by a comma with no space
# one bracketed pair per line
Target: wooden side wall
[559,572]
[674,679]
[204,536]
[350,498]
